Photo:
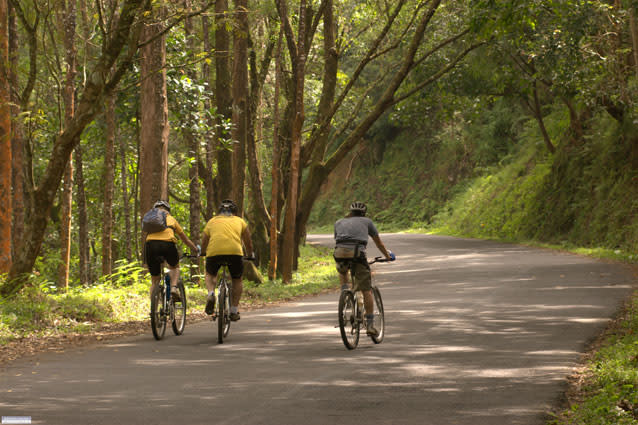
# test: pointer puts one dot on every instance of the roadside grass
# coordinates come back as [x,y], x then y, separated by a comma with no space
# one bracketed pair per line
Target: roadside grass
[40,310]
[607,391]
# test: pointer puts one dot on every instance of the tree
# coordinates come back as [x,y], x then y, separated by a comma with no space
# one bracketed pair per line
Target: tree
[298,57]
[6,213]
[68,24]
[223,100]
[102,78]
[154,114]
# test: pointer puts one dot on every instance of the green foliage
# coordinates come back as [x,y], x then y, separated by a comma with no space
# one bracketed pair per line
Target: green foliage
[39,310]
[611,385]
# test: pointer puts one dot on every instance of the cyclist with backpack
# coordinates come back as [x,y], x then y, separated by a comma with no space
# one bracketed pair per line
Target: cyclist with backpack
[351,237]
[161,229]
[222,243]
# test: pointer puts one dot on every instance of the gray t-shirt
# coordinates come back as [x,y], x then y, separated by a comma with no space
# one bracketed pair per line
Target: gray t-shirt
[355,230]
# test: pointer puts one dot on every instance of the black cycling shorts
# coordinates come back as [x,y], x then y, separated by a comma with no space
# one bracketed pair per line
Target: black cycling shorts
[235,264]
[158,252]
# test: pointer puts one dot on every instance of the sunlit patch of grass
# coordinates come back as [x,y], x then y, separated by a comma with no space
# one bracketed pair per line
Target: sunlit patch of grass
[39,309]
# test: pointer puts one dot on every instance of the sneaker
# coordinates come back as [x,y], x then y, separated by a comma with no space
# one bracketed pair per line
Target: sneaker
[234,317]
[175,295]
[371,330]
[210,304]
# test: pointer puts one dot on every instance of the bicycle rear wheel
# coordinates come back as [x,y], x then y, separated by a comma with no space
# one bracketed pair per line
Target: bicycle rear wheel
[158,313]
[223,309]
[379,318]
[179,310]
[349,325]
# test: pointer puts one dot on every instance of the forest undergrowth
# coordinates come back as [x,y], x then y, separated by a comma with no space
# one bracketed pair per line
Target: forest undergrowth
[42,318]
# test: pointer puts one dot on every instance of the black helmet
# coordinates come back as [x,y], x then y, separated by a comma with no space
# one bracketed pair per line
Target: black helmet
[161,203]
[228,205]
[358,207]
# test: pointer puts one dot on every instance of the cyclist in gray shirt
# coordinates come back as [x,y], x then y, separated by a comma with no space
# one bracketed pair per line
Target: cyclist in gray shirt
[351,237]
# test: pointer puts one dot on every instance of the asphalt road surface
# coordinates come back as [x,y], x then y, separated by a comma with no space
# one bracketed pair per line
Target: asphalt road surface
[477,333]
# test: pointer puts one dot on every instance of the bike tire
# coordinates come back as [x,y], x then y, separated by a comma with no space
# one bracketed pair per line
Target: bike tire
[179,310]
[223,321]
[158,315]
[379,317]
[349,325]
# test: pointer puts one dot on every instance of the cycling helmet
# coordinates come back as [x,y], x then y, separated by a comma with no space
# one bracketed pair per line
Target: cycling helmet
[228,205]
[358,206]
[163,204]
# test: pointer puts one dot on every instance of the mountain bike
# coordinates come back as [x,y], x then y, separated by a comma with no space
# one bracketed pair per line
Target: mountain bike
[165,309]
[221,314]
[351,312]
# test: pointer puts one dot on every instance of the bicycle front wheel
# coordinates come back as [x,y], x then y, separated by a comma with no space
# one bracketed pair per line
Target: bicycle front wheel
[349,324]
[158,312]
[223,312]
[379,318]
[179,310]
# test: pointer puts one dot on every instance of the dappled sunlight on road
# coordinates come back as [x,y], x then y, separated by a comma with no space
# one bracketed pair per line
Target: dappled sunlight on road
[477,333]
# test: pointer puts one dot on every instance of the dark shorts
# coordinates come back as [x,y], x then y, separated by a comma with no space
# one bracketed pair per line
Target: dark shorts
[158,252]
[361,269]
[235,264]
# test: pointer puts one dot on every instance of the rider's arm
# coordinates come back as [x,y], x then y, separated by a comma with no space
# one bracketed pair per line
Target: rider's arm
[187,241]
[246,238]
[381,246]
[205,240]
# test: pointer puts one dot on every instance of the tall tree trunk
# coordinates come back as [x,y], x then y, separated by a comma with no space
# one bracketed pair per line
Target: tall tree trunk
[68,22]
[299,64]
[6,213]
[633,25]
[193,145]
[126,202]
[108,179]
[206,169]
[194,152]
[538,114]
[154,114]
[240,101]
[276,169]
[224,183]
[259,214]
[83,221]
[17,143]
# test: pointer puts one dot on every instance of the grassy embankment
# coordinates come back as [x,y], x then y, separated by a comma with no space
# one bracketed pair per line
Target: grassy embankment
[39,310]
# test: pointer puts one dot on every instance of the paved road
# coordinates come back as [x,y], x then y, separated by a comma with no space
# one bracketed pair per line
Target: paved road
[477,333]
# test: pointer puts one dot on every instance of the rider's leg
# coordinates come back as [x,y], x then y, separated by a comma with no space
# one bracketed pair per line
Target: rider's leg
[154,282]
[368,302]
[173,273]
[238,288]
[211,282]
[343,278]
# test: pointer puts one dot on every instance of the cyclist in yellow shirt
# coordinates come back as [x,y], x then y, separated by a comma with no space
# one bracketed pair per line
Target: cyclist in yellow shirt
[222,243]
[162,246]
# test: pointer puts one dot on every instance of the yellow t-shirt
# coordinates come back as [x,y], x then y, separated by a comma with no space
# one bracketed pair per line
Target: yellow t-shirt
[224,232]
[167,234]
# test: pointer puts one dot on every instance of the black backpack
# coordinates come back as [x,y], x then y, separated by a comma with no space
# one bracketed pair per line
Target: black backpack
[154,221]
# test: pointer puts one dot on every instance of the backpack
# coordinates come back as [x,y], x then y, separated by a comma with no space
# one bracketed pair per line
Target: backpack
[154,221]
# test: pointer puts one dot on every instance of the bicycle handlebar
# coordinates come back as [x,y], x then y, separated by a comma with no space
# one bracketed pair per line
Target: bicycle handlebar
[380,260]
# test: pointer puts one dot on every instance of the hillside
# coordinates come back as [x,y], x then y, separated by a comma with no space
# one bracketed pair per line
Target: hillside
[584,195]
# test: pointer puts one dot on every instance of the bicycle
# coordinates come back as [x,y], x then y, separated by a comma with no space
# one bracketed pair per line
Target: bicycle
[351,312]
[165,308]
[221,313]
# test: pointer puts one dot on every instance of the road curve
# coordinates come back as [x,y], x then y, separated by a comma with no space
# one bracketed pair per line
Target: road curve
[478,333]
